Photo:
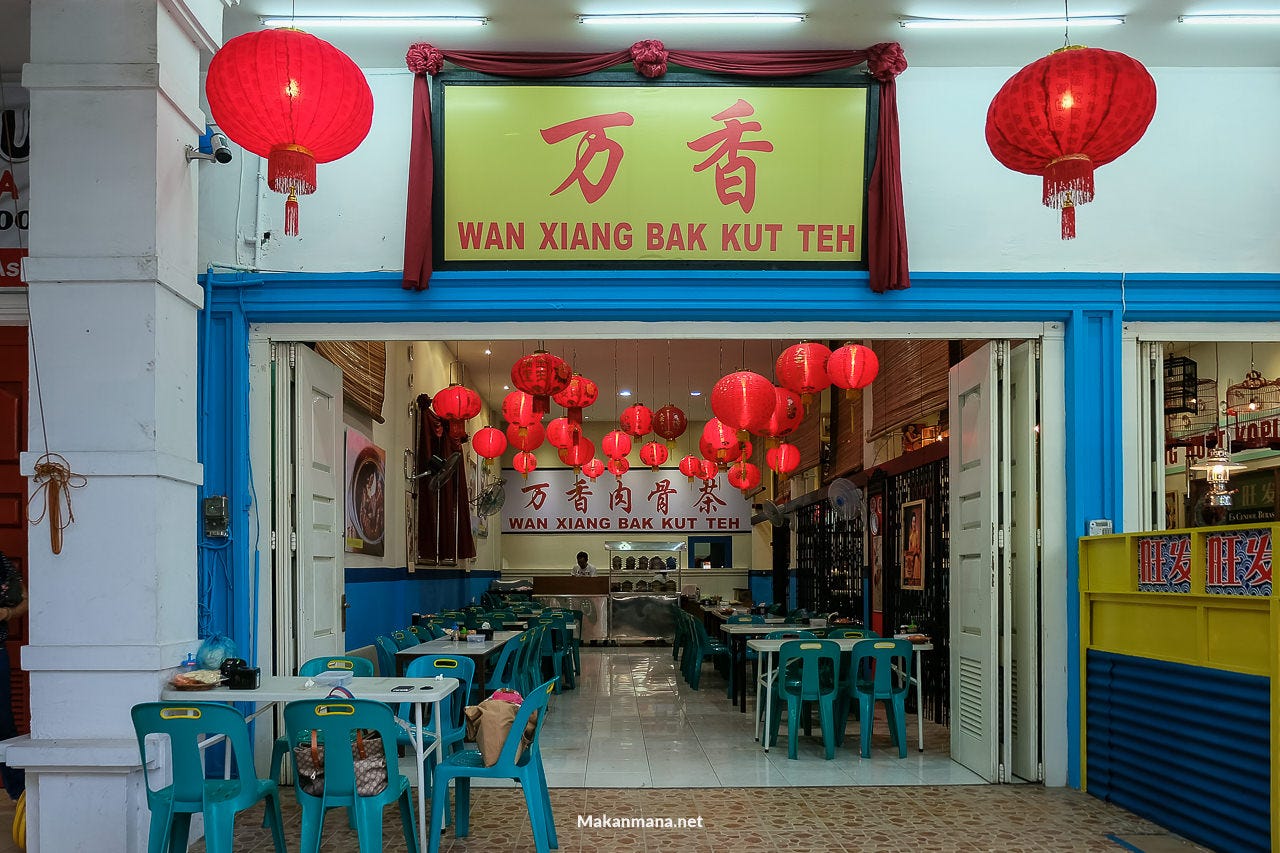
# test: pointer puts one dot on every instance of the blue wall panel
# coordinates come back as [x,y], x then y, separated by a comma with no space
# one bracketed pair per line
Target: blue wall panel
[1165,743]
[380,600]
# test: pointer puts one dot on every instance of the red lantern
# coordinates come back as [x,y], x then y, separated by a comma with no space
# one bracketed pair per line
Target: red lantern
[578,454]
[669,423]
[691,466]
[783,459]
[519,411]
[653,454]
[743,401]
[561,433]
[619,466]
[576,396]
[1064,115]
[456,404]
[787,414]
[709,470]
[292,98]
[802,368]
[636,420]
[541,374]
[616,444]
[853,366]
[745,449]
[525,462]
[719,455]
[718,436]
[593,468]
[525,438]
[744,476]
[489,442]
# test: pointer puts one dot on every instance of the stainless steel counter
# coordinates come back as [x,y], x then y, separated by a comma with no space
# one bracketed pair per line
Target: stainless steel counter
[642,615]
[595,613]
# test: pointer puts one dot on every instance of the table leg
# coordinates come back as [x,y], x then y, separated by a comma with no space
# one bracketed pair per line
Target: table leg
[422,772]
[919,703]
[741,664]
[768,698]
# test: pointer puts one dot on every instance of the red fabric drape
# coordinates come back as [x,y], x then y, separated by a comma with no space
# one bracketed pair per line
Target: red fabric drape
[444,515]
[886,225]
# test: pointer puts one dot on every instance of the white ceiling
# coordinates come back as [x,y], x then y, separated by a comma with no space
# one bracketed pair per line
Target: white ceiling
[1152,34]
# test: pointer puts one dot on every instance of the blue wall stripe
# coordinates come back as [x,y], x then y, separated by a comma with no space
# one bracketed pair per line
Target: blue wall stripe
[382,600]
[1187,747]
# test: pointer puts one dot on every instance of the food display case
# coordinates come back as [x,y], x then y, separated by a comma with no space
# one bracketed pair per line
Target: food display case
[590,595]
[644,588]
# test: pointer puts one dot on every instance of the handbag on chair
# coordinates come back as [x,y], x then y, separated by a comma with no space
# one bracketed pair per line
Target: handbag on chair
[367,757]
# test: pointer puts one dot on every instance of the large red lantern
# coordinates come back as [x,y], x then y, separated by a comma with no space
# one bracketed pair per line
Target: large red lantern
[593,469]
[576,396]
[783,459]
[618,467]
[802,368]
[489,442]
[787,414]
[691,466]
[292,98]
[718,436]
[561,433]
[853,366]
[525,438]
[541,375]
[578,454]
[456,404]
[743,401]
[669,423]
[616,444]
[709,470]
[525,463]
[744,476]
[1064,115]
[654,454]
[519,410]
[719,454]
[636,420]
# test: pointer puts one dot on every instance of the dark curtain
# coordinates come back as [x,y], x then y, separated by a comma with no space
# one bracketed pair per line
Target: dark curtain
[886,220]
[443,515]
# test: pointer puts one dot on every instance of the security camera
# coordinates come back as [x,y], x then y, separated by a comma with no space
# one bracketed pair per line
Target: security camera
[213,147]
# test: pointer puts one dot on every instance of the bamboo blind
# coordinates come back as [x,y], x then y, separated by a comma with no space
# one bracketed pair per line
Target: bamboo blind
[364,372]
[912,382]
[846,432]
[807,438]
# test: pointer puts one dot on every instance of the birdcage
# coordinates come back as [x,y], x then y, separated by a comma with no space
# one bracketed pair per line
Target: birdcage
[1188,428]
[1180,388]
[1253,395]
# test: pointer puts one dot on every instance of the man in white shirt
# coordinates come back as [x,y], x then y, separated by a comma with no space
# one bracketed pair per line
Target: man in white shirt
[584,568]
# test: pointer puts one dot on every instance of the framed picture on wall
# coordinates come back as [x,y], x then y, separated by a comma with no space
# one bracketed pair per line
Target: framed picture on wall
[365,503]
[913,545]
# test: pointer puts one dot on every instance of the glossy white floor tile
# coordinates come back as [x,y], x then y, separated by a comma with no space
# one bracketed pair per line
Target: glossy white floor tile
[632,722]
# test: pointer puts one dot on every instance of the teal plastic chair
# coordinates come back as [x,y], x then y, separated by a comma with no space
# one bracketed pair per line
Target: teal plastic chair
[575,640]
[808,672]
[889,664]
[844,698]
[405,639]
[556,649]
[504,673]
[422,632]
[386,649]
[522,765]
[529,659]
[452,720]
[219,800]
[745,619]
[782,634]
[680,638]
[497,617]
[335,722]
[700,649]
[358,667]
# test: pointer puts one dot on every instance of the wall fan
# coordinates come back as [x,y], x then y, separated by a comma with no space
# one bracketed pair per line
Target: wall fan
[773,514]
[439,470]
[845,498]
[491,498]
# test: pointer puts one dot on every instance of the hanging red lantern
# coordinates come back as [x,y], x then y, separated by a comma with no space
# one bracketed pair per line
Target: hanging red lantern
[669,423]
[618,467]
[292,98]
[709,470]
[519,410]
[593,469]
[787,414]
[561,433]
[718,436]
[802,368]
[525,463]
[578,454]
[541,375]
[525,438]
[853,366]
[456,404]
[1064,115]
[691,466]
[489,442]
[636,420]
[654,454]
[783,459]
[616,444]
[744,476]
[743,401]
[745,449]
[576,396]
[719,454]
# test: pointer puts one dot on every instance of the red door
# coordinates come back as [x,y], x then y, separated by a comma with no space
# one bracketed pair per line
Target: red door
[13,496]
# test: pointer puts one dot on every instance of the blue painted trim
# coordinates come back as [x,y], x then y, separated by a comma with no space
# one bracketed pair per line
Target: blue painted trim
[380,574]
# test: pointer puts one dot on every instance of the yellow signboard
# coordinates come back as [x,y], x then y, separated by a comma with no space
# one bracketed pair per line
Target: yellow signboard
[595,173]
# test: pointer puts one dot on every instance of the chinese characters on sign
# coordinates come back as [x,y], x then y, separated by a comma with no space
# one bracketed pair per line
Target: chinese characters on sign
[1238,562]
[558,501]
[668,173]
[1164,563]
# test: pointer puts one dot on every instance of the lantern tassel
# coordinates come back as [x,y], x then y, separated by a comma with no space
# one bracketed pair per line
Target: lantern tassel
[1068,219]
[291,214]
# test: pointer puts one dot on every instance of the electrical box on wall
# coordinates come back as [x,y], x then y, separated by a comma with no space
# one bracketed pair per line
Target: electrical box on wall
[217,517]
[1100,526]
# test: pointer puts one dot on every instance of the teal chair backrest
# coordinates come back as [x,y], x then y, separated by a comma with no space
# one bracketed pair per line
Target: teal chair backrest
[450,666]
[358,667]
[529,658]
[504,672]
[556,635]
[797,615]
[422,632]
[814,662]
[334,721]
[500,615]
[886,656]
[187,724]
[535,701]
[745,619]
[791,634]
[404,639]
[847,633]
[386,649]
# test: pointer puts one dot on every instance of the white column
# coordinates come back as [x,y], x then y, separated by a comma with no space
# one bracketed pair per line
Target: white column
[114,303]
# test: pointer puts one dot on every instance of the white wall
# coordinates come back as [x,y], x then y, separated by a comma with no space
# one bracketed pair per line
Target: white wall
[1196,194]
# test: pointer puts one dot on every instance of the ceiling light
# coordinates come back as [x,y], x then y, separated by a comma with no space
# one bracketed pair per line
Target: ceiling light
[1008,23]
[695,393]
[506,387]
[354,21]
[624,393]
[695,18]
[488,351]
[1232,18]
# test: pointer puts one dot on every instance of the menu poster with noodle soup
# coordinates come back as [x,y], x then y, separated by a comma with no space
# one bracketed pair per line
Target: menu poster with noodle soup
[365,492]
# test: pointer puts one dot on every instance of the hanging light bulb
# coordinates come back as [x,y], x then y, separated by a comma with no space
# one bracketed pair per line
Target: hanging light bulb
[1218,469]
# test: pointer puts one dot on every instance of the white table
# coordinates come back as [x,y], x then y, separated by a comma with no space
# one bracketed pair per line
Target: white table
[290,688]
[768,650]
[738,633]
